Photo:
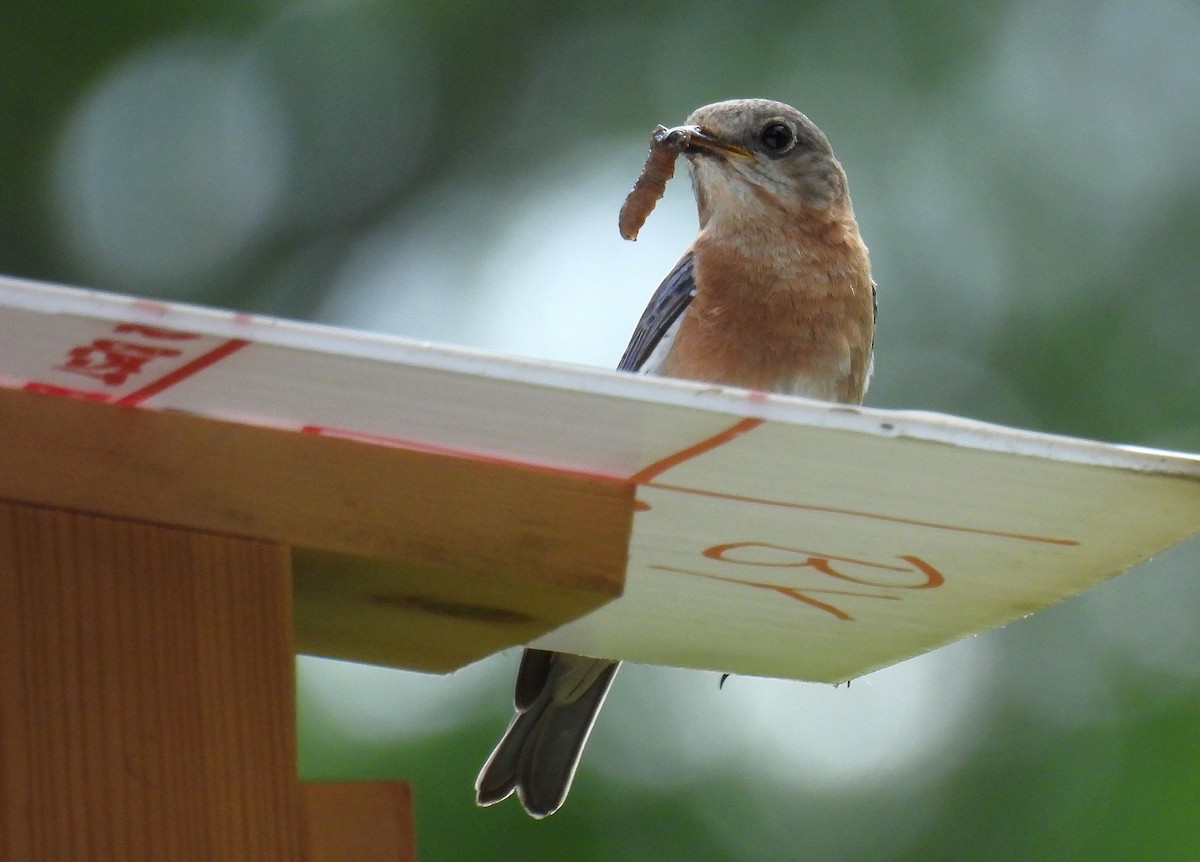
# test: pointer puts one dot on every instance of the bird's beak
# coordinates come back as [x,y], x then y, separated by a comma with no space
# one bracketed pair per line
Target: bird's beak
[700,140]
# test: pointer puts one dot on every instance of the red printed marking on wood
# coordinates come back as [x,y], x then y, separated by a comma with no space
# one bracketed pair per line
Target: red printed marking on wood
[51,389]
[112,361]
[473,455]
[158,332]
[205,360]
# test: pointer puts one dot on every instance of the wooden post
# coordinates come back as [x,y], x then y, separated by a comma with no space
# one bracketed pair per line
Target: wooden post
[146,692]
[147,705]
[358,821]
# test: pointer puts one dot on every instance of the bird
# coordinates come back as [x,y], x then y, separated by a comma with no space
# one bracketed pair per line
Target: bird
[774,294]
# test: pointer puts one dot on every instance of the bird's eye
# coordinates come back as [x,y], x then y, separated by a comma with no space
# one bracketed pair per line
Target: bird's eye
[777,137]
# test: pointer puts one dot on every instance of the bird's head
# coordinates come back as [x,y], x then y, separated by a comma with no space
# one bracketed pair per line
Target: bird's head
[757,156]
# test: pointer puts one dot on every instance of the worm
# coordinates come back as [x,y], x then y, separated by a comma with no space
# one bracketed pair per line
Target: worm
[665,145]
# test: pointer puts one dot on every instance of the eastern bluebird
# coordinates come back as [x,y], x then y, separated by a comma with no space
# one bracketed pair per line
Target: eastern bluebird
[774,294]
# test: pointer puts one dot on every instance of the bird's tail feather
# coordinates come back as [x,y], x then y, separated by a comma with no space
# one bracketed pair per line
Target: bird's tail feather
[540,751]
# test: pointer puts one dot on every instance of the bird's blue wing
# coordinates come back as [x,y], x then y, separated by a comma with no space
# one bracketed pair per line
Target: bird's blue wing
[669,301]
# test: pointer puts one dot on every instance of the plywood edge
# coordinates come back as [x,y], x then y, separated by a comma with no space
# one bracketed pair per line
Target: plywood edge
[450,532]
[428,618]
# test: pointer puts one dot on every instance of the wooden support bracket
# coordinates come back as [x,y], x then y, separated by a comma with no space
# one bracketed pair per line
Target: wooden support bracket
[147,702]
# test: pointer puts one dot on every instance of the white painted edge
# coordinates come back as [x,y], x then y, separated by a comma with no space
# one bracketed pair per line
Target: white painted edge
[316,338]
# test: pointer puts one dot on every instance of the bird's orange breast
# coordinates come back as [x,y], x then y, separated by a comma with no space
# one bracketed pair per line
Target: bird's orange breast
[786,311]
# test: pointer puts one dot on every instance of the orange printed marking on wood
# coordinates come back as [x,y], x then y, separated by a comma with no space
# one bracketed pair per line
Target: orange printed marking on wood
[821,563]
[824,564]
[643,476]
[874,516]
[800,594]
[721,552]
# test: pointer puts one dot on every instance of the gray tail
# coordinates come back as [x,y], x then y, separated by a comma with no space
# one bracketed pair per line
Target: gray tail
[558,697]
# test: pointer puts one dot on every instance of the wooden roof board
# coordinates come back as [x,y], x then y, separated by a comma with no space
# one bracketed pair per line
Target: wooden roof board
[770,535]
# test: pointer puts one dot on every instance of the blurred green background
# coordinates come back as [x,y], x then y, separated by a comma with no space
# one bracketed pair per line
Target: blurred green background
[1026,174]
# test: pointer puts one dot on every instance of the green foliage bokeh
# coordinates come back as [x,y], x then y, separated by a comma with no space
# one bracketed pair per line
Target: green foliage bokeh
[1024,172]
